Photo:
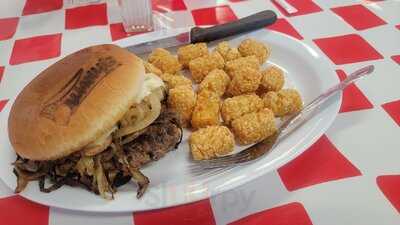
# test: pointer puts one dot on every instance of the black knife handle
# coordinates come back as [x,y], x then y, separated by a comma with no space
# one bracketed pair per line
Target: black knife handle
[249,23]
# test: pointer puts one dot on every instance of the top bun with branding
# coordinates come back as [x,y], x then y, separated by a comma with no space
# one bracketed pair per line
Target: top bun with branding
[74,101]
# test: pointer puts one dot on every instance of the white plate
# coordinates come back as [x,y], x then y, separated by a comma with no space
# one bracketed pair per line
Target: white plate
[171,184]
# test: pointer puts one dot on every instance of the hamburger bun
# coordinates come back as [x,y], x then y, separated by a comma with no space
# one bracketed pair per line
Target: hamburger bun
[74,101]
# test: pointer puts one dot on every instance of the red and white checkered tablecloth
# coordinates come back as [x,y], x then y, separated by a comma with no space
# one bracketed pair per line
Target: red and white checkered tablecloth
[351,175]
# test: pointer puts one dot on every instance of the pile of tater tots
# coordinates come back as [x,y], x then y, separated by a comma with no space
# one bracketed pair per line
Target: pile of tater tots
[227,98]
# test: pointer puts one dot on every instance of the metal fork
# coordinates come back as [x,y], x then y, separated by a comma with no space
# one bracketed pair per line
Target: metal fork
[261,148]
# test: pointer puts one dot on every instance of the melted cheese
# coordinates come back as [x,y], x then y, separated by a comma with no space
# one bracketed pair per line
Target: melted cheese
[151,82]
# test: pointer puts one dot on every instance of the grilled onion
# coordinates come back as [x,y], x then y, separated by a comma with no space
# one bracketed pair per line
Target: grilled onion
[154,109]
[103,186]
[135,113]
[23,178]
[85,165]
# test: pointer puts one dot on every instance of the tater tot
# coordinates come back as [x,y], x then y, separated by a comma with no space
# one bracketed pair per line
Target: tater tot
[175,80]
[283,102]
[250,47]
[272,79]
[254,127]
[190,52]
[150,68]
[223,48]
[164,61]
[245,80]
[227,52]
[232,54]
[216,81]
[206,111]
[201,66]
[182,99]
[157,54]
[235,107]
[249,61]
[211,142]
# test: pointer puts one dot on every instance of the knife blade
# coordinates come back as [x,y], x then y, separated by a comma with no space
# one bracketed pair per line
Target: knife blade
[166,41]
[199,34]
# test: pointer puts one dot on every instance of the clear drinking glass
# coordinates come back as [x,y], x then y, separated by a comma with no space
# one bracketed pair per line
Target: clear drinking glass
[137,15]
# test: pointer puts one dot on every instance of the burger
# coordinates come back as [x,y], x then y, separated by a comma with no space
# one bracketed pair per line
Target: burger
[92,120]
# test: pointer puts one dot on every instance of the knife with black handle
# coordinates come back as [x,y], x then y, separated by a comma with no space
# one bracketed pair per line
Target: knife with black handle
[198,34]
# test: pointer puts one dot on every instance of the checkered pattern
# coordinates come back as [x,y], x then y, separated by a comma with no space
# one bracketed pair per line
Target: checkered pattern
[351,175]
